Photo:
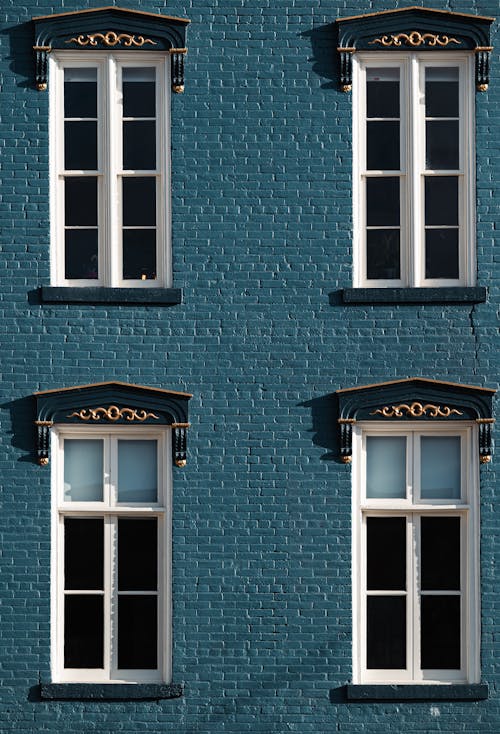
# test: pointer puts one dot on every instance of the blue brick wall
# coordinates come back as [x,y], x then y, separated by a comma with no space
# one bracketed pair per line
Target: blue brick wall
[261,152]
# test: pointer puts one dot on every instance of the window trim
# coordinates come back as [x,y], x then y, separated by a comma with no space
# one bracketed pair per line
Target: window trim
[361,509]
[162,510]
[412,169]
[109,65]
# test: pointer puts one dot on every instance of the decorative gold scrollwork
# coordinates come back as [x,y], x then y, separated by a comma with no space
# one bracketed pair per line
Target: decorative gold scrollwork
[415,38]
[113,413]
[110,38]
[416,410]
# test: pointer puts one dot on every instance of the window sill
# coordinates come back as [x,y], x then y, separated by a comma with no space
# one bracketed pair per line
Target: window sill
[414,295]
[109,691]
[450,692]
[168,296]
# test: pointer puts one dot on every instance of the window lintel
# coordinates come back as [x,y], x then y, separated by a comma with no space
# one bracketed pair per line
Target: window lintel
[415,399]
[110,28]
[110,404]
[414,28]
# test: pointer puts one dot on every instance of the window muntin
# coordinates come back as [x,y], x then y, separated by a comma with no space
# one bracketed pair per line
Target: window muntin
[110,595]
[109,128]
[415,555]
[413,170]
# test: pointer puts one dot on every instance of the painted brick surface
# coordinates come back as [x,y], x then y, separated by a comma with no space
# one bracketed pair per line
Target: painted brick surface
[261,155]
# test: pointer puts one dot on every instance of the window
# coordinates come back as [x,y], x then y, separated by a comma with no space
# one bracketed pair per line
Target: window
[415,553]
[111,525]
[110,169]
[414,169]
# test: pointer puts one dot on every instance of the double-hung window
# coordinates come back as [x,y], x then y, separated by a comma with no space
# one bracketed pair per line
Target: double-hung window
[414,169]
[111,555]
[110,169]
[415,573]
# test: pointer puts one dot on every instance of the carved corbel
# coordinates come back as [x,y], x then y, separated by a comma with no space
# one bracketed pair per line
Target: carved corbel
[346,68]
[345,426]
[41,60]
[43,441]
[179,443]
[485,447]
[482,67]
[177,69]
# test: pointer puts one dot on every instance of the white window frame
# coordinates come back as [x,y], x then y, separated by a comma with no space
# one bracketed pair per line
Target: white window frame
[412,141]
[111,510]
[467,508]
[109,138]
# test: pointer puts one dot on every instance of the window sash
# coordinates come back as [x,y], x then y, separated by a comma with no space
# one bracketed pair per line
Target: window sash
[412,171]
[110,173]
[111,511]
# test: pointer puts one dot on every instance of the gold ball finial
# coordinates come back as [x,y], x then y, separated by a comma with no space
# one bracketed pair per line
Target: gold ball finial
[181,463]
[485,459]
[43,461]
[347,459]
[178,88]
[42,87]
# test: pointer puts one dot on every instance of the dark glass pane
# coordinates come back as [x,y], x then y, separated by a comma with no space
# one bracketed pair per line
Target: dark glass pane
[139,254]
[80,146]
[80,199]
[83,553]
[440,642]
[83,631]
[441,147]
[386,632]
[441,253]
[139,92]
[382,99]
[386,553]
[382,146]
[81,254]
[441,200]
[139,146]
[382,201]
[137,632]
[137,555]
[382,254]
[440,538]
[80,92]
[139,201]
[441,92]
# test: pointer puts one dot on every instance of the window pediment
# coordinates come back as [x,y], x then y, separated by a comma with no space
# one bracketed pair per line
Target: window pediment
[112,403]
[110,28]
[415,399]
[411,29]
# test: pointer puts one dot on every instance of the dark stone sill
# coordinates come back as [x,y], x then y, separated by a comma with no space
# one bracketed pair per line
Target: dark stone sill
[109,691]
[168,296]
[415,295]
[424,692]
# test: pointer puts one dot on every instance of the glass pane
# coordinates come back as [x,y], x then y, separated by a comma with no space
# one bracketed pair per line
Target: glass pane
[441,92]
[382,92]
[440,467]
[80,200]
[440,642]
[440,540]
[81,259]
[80,146]
[139,254]
[137,555]
[83,553]
[441,253]
[386,632]
[382,146]
[139,92]
[80,92]
[137,471]
[441,145]
[137,632]
[139,146]
[386,553]
[382,254]
[139,201]
[441,200]
[83,631]
[382,201]
[83,470]
[386,466]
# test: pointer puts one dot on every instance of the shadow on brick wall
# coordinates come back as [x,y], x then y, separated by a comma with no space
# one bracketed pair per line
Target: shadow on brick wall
[20,54]
[324,412]
[23,435]
[324,57]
